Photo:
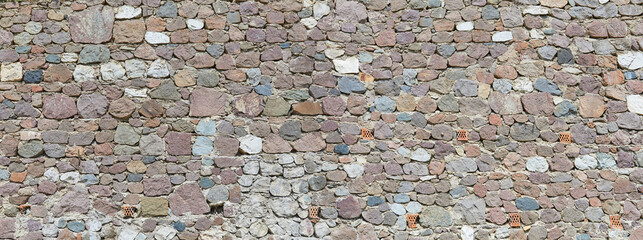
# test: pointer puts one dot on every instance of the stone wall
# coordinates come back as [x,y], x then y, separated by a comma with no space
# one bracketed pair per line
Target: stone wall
[230,119]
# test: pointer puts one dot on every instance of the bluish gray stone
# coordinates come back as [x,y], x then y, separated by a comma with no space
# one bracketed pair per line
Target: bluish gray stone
[206,183]
[605,160]
[527,203]
[206,127]
[410,76]
[4,175]
[465,87]
[414,207]
[404,117]
[458,192]
[502,85]
[385,104]
[490,12]
[448,103]
[202,146]
[446,50]
[168,10]
[565,56]
[33,76]
[565,108]
[89,179]
[296,94]
[365,57]
[234,17]
[264,90]
[374,201]
[51,58]
[76,226]
[603,47]
[401,198]
[547,52]
[349,85]
[215,50]
[341,149]
[94,54]
[398,209]
[545,85]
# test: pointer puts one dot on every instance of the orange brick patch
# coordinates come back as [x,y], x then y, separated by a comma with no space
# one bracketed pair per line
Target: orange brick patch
[514,219]
[411,219]
[313,213]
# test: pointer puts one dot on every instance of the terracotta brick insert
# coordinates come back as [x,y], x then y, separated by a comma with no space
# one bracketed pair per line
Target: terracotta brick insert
[411,219]
[565,138]
[129,211]
[514,219]
[313,213]
[462,135]
[615,222]
[367,134]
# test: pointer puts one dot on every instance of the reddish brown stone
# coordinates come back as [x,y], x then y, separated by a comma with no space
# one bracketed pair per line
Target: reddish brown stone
[205,102]
[307,108]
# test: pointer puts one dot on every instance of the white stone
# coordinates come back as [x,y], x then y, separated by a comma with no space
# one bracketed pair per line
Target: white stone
[309,22]
[131,92]
[635,104]
[70,177]
[398,209]
[93,225]
[631,60]
[258,229]
[320,10]
[535,10]
[603,1]
[502,36]
[112,71]
[33,27]
[585,162]
[52,174]
[536,34]
[84,73]
[11,72]
[50,230]
[194,24]
[464,26]
[128,233]
[333,53]
[321,229]
[420,155]
[165,233]
[350,65]
[467,233]
[523,85]
[156,38]
[537,164]
[135,68]
[128,12]
[158,69]
[250,144]
[354,170]
[69,57]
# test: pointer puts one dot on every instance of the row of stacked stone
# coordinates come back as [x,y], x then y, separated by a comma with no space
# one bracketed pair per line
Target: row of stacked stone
[229,120]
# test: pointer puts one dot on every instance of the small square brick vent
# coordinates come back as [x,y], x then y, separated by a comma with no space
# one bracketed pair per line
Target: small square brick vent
[367,134]
[411,219]
[129,211]
[313,213]
[615,222]
[565,137]
[462,135]
[514,219]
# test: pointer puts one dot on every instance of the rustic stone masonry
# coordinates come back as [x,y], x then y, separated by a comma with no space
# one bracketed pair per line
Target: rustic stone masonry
[309,119]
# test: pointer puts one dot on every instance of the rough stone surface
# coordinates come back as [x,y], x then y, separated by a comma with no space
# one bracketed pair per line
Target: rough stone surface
[237,119]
